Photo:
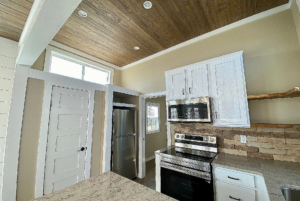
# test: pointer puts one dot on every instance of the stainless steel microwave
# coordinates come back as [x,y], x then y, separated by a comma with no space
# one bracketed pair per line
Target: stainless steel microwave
[191,110]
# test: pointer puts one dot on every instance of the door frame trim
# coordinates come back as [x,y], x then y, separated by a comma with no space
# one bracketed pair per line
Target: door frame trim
[43,137]
[142,129]
[42,148]
[108,117]
[14,130]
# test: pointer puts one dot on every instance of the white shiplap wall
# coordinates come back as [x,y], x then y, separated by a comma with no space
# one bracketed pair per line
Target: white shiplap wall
[8,54]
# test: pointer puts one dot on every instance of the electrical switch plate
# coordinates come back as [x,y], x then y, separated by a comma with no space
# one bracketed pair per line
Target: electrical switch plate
[243,139]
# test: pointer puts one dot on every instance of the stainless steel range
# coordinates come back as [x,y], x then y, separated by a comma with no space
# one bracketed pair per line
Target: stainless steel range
[185,170]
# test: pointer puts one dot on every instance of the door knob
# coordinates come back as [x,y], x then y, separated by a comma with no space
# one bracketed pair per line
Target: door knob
[83,148]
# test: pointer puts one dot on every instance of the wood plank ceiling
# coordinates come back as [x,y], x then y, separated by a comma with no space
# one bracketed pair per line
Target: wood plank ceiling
[114,27]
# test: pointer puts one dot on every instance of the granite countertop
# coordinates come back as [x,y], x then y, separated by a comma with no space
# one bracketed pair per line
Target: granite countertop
[106,186]
[275,173]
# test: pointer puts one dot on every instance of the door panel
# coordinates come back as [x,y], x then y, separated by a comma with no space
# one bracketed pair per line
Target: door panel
[228,92]
[123,157]
[65,183]
[71,102]
[228,192]
[124,122]
[176,84]
[67,142]
[65,163]
[197,80]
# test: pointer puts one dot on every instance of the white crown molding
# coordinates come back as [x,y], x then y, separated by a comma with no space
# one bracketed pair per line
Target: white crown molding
[82,54]
[212,33]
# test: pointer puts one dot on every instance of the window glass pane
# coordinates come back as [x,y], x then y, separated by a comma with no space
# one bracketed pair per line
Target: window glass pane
[66,68]
[94,75]
[152,118]
[153,112]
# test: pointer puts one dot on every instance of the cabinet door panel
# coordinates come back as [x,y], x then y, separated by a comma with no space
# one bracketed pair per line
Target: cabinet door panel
[228,192]
[197,80]
[228,92]
[175,84]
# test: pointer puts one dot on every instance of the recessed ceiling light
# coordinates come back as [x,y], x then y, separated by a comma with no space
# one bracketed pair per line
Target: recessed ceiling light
[136,48]
[147,4]
[82,13]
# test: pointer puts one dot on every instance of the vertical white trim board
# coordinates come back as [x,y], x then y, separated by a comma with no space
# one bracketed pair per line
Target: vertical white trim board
[41,158]
[89,136]
[15,118]
[142,135]
[107,129]
[142,130]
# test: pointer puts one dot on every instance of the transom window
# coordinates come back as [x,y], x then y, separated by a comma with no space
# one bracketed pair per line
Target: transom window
[72,67]
[153,120]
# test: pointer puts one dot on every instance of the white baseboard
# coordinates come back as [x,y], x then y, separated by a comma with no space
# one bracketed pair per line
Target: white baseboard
[150,158]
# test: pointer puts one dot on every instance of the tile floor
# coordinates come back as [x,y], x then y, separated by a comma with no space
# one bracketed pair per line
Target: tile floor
[149,179]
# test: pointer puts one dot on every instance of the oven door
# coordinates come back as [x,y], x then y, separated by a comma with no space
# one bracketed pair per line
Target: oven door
[192,110]
[182,186]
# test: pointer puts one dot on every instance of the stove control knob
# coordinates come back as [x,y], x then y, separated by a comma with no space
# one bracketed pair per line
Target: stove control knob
[212,139]
[182,136]
[177,136]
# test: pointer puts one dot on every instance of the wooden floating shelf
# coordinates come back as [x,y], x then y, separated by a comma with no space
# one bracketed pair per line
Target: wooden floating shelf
[276,125]
[295,92]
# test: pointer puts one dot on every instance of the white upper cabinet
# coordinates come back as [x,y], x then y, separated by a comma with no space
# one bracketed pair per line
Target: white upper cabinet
[176,84]
[197,77]
[228,91]
[222,79]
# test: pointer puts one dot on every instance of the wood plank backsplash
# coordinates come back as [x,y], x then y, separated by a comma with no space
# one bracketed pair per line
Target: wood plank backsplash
[269,143]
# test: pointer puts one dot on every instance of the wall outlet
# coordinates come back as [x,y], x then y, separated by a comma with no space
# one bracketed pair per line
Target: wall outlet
[243,139]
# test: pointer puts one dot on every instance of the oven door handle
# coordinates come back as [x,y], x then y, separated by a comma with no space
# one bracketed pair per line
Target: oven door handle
[185,170]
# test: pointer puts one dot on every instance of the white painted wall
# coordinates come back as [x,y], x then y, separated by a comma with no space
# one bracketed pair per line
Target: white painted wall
[8,55]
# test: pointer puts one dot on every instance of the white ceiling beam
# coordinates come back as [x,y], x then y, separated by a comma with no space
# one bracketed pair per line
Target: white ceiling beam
[45,19]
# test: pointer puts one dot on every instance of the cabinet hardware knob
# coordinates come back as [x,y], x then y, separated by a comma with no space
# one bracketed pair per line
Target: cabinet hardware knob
[190,90]
[182,91]
[234,198]
[233,178]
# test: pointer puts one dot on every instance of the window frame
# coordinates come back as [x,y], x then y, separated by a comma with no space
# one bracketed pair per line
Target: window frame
[155,105]
[52,51]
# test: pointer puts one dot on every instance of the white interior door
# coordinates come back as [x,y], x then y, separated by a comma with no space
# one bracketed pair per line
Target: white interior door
[67,139]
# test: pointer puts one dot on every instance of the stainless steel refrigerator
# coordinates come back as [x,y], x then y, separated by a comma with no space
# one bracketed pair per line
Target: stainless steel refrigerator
[124,142]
